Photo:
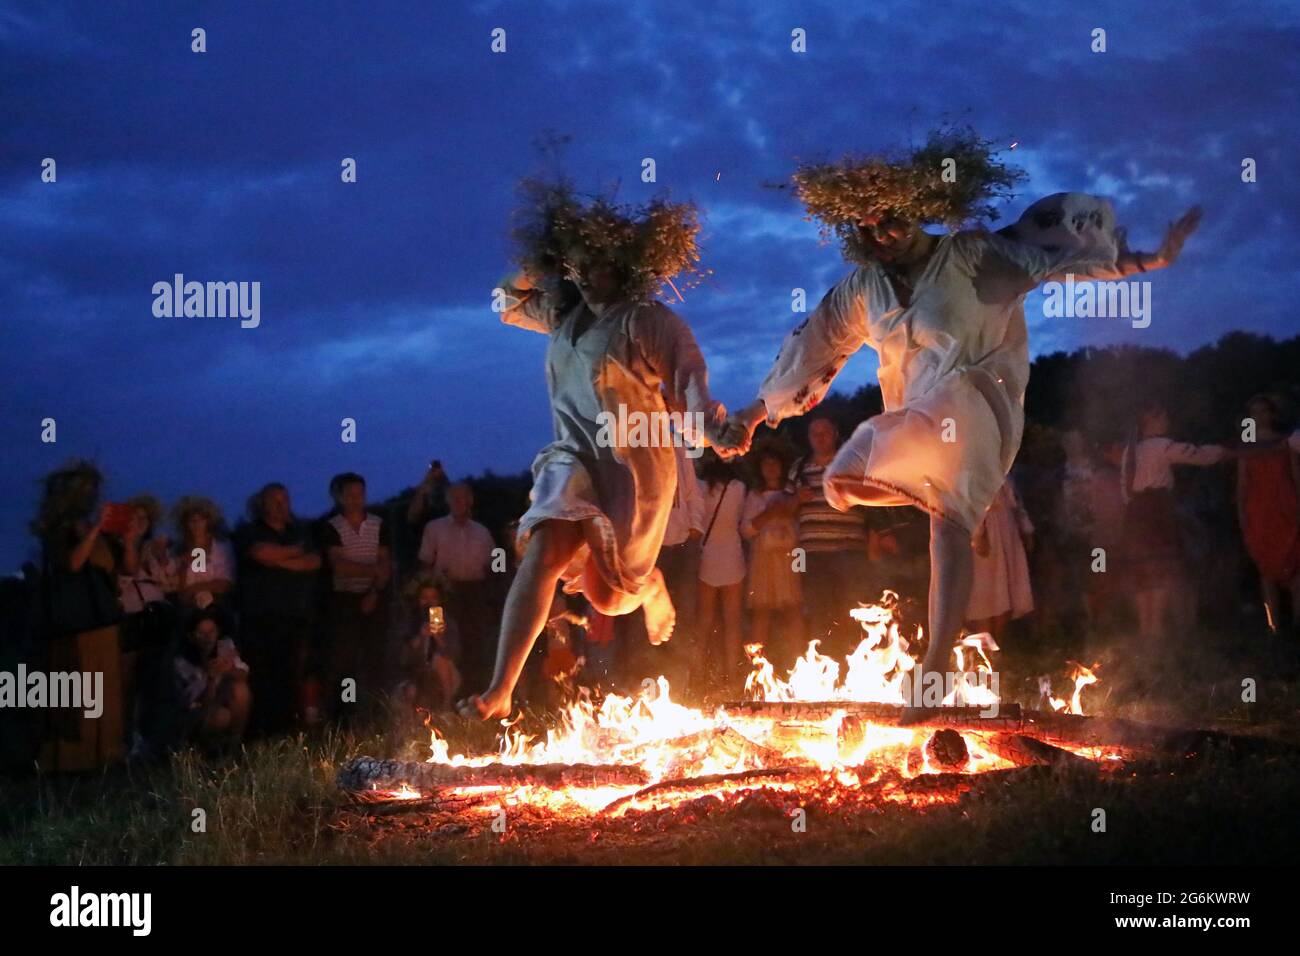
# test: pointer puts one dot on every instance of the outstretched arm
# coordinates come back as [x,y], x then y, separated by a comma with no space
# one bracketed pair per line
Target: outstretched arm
[1129,263]
[1104,261]
[810,358]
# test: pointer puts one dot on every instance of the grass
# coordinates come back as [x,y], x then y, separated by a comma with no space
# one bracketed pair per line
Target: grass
[276,802]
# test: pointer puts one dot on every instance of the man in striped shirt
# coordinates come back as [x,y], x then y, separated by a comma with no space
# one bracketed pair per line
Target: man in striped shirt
[356,545]
[834,544]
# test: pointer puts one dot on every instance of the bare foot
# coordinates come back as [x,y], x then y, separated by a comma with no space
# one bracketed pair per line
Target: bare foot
[485,706]
[660,615]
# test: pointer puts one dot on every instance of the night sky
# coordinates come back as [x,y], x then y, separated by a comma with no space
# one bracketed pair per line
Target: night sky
[225,165]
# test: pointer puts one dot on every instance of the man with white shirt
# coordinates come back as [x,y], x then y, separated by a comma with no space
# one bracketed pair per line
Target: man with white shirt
[460,549]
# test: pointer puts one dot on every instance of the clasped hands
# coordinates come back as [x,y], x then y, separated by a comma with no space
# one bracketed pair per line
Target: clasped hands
[732,435]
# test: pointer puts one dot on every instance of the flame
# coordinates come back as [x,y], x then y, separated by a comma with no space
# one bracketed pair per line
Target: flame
[675,745]
[1082,676]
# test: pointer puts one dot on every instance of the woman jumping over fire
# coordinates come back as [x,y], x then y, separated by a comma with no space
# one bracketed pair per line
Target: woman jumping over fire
[946,316]
[599,507]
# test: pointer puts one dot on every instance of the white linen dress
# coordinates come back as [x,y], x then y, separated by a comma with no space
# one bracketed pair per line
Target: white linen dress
[954,362]
[722,562]
[630,355]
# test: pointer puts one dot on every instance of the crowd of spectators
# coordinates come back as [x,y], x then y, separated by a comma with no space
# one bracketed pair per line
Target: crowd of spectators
[206,634]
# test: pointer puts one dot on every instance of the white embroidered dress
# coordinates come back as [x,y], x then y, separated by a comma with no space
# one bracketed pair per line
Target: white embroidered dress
[954,362]
[629,354]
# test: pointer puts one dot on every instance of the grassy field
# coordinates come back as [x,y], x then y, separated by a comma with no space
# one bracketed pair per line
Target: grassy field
[276,802]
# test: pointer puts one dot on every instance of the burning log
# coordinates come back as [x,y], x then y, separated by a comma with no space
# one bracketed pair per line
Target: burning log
[947,749]
[684,786]
[958,718]
[369,773]
[1027,751]
[721,743]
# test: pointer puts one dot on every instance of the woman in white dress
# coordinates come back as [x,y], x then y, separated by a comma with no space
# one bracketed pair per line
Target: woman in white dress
[722,564]
[1001,591]
[769,525]
[946,316]
[600,498]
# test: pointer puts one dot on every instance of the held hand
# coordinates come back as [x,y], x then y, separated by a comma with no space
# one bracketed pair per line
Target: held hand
[715,429]
[1177,234]
[738,435]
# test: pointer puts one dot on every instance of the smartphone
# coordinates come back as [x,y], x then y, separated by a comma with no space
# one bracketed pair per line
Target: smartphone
[437,622]
[117,518]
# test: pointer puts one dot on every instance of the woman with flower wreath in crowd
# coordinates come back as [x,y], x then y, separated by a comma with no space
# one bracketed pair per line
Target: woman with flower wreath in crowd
[599,507]
[946,316]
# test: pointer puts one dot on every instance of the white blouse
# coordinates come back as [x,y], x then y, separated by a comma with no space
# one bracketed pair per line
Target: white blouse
[1155,458]
[723,560]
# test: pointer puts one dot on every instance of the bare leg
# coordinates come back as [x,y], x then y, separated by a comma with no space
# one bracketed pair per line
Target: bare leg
[528,606]
[705,606]
[731,639]
[240,703]
[952,572]
[759,622]
[792,636]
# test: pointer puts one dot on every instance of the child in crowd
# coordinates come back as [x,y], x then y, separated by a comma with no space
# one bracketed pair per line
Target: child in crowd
[429,655]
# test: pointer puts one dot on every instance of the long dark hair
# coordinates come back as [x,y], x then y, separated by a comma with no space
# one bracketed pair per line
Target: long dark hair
[714,471]
[70,495]
[761,455]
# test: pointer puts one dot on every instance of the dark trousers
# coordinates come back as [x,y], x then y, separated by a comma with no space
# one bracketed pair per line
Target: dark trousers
[275,648]
[835,582]
[472,605]
[356,649]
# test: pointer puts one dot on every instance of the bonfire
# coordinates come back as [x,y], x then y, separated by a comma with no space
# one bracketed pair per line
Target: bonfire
[830,733]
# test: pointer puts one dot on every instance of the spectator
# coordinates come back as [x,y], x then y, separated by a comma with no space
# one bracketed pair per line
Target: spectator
[1268,512]
[722,565]
[211,684]
[80,616]
[149,575]
[427,661]
[1153,547]
[427,501]
[460,549]
[769,526]
[356,543]
[206,560]
[278,572]
[834,545]
[1105,504]
[1001,590]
